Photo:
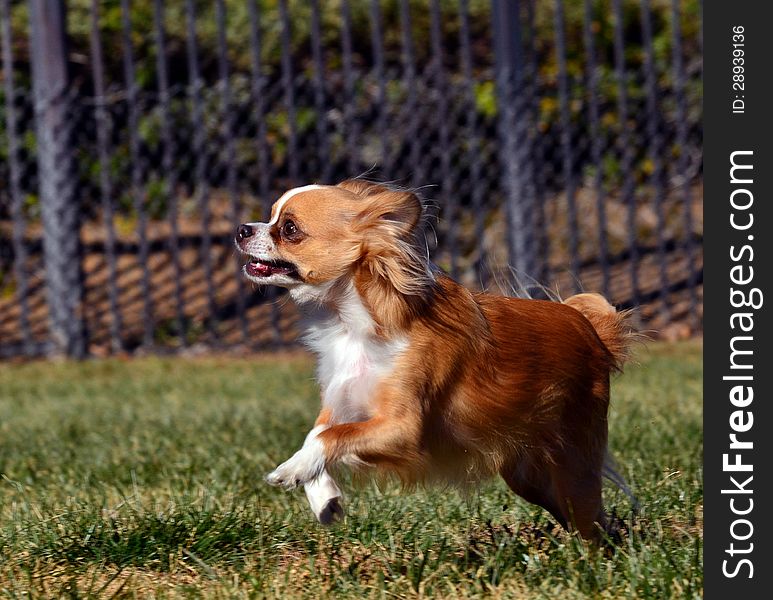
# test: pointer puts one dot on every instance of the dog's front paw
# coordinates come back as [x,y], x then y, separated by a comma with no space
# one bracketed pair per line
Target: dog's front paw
[304,466]
[325,499]
[331,512]
[281,477]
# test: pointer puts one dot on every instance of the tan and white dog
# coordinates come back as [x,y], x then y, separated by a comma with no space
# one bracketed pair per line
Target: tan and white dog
[425,379]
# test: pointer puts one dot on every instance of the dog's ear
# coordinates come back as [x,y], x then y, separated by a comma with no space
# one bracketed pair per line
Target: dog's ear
[363,188]
[396,211]
[385,225]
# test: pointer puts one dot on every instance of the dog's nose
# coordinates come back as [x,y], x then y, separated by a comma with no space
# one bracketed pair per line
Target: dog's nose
[244,231]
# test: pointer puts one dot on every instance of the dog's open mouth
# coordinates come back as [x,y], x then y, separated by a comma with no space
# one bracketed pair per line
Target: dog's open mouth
[266,268]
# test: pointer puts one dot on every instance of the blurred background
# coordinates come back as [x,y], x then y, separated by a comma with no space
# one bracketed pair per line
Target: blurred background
[557,142]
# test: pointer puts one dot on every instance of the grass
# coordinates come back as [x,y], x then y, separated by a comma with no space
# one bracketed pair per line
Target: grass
[143,478]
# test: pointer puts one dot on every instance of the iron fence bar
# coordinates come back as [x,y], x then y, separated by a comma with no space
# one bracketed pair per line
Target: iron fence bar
[351,133]
[655,151]
[681,161]
[105,180]
[533,154]
[378,68]
[595,149]
[169,172]
[60,208]
[258,87]
[508,50]
[323,145]
[288,85]
[409,82]
[138,192]
[700,27]
[450,200]
[523,151]
[566,143]
[202,163]
[473,143]
[227,119]
[14,184]
[624,141]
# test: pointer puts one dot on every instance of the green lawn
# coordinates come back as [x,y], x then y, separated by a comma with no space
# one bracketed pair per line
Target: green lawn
[144,478]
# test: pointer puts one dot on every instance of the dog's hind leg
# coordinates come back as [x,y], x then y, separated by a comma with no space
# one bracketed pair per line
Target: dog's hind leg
[577,488]
[569,490]
[534,485]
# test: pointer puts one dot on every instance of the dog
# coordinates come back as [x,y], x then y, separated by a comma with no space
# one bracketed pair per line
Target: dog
[423,378]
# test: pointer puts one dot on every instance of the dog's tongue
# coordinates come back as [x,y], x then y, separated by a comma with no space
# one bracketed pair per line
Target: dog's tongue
[257,268]
[262,269]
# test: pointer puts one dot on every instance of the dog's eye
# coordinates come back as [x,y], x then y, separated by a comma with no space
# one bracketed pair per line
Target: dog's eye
[289,229]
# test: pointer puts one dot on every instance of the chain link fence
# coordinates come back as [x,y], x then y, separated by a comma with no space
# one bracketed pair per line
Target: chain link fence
[556,142]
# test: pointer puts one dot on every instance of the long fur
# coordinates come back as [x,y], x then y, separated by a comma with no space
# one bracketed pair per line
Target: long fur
[427,380]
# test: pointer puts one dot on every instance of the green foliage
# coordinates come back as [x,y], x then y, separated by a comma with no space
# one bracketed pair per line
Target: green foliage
[543,35]
[485,98]
[147,474]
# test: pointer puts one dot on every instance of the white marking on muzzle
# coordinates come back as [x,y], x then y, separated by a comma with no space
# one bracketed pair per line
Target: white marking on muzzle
[259,244]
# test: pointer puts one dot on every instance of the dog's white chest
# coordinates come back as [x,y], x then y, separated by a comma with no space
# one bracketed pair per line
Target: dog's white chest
[352,359]
[350,366]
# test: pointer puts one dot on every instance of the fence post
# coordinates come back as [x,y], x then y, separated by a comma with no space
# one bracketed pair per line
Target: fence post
[58,201]
[512,126]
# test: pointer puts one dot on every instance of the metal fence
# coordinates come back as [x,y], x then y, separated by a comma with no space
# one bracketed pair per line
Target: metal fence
[557,142]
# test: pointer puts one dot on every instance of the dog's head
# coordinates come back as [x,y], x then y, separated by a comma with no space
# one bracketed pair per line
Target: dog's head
[321,235]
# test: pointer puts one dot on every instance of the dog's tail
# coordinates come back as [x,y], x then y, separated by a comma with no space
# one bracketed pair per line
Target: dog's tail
[613,327]
[609,470]
[617,334]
